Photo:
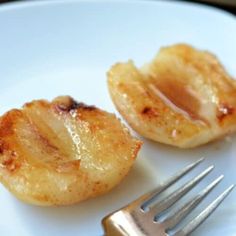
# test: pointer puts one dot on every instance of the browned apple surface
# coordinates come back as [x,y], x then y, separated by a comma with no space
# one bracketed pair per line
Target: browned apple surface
[184,97]
[63,152]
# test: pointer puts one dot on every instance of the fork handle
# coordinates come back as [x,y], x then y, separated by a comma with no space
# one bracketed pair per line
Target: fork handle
[111,228]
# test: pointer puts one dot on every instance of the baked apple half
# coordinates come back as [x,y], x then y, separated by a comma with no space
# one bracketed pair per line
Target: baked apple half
[63,152]
[184,97]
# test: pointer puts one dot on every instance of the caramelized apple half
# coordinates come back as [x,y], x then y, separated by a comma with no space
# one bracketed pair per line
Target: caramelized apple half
[63,152]
[184,97]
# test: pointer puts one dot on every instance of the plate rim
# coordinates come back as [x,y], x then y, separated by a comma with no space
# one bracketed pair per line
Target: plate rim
[18,5]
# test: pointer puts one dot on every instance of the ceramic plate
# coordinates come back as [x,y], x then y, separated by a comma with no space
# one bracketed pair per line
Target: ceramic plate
[51,48]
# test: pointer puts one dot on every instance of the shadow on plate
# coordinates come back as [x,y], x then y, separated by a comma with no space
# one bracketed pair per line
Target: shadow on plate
[219,146]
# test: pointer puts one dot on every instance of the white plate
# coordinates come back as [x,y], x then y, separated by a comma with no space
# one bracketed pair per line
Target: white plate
[66,47]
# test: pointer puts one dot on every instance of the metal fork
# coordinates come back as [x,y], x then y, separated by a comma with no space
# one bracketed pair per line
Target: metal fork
[142,217]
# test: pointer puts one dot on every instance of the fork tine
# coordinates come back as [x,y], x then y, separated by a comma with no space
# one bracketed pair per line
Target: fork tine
[178,215]
[146,199]
[191,226]
[177,194]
